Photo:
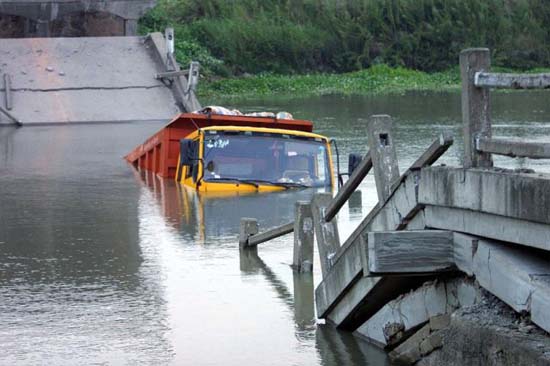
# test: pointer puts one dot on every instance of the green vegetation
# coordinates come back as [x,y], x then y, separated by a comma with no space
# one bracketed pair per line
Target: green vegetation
[295,46]
[375,80]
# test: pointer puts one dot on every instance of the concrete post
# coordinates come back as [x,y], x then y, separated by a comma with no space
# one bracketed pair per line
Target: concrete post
[328,240]
[7,92]
[304,310]
[42,28]
[248,227]
[169,36]
[130,27]
[476,106]
[193,76]
[384,158]
[303,237]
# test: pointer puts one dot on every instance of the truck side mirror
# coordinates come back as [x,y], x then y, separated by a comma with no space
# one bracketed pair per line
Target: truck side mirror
[353,162]
[188,153]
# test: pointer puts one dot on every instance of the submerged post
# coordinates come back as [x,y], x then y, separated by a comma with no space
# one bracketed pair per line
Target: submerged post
[384,157]
[249,227]
[328,239]
[476,106]
[303,237]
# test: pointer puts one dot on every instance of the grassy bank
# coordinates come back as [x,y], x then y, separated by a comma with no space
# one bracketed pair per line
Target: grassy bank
[379,79]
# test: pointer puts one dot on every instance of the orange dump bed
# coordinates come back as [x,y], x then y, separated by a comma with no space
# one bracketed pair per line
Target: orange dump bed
[160,152]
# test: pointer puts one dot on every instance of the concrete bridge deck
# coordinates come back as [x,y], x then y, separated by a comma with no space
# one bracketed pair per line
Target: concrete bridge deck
[90,79]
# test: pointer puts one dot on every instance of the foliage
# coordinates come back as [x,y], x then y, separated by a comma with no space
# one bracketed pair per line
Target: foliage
[298,36]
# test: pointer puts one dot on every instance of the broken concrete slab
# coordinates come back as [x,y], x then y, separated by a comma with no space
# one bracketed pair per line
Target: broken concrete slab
[411,310]
[524,196]
[512,230]
[488,333]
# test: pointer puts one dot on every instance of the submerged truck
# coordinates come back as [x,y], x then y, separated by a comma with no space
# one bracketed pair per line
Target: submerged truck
[238,153]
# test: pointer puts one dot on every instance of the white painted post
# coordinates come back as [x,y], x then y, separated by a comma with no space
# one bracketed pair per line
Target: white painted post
[169,36]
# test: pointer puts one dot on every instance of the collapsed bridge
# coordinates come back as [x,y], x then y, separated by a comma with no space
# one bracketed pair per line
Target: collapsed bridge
[427,272]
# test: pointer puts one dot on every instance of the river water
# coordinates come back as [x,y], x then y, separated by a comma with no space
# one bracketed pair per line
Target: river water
[102,265]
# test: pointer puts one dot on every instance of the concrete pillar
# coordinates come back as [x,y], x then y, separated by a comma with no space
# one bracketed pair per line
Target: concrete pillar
[303,237]
[304,311]
[476,106]
[130,27]
[328,239]
[384,157]
[249,226]
[42,28]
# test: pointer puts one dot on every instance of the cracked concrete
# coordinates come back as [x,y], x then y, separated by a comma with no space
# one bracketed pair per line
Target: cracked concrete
[415,308]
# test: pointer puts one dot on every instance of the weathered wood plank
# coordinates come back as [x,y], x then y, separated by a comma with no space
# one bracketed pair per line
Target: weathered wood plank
[524,149]
[476,107]
[384,157]
[351,185]
[303,237]
[405,252]
[256,239]
[326,232]
[512,81]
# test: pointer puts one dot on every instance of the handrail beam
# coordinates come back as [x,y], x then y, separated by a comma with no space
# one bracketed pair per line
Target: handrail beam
[532,150]
[512,81]
[347,189]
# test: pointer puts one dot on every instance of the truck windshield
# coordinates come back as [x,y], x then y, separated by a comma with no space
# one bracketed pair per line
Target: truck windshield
[266,158]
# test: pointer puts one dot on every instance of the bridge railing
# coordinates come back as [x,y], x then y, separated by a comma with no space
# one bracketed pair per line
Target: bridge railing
[479,144]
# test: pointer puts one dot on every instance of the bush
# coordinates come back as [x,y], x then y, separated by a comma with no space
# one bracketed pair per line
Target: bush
[292,36]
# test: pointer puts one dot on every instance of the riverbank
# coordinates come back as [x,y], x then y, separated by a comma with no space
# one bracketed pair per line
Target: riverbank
[376,80]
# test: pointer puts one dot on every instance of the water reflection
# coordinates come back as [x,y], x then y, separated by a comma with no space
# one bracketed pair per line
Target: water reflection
[203,220]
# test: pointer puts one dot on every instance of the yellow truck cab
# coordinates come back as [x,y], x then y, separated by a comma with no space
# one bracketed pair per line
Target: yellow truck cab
[254,159]
[212,152]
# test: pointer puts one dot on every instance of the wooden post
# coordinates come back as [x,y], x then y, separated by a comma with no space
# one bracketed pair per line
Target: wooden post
[303,237]
[476,106]
[328,240]
[248,228]
[384,158]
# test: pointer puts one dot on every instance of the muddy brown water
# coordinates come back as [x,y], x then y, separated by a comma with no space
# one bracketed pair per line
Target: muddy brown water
[102,265]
